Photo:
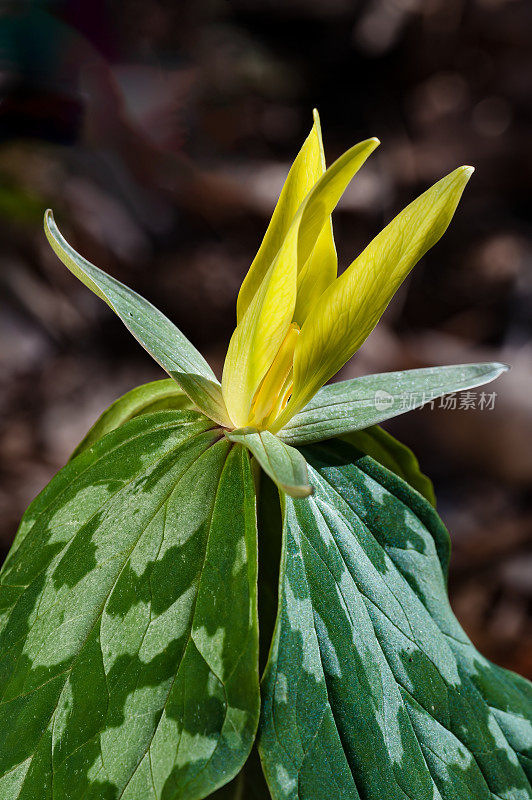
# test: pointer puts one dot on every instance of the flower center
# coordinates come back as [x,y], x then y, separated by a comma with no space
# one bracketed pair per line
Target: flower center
[276,386]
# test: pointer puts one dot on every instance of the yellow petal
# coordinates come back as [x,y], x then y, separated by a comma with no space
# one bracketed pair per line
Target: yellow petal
[282,399]
[305,171]
[318,272]
[275,379]
[316,253]
[259,335]
[350,308]
[264,325]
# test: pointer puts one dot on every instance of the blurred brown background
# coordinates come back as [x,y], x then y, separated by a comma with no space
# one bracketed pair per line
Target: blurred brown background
[160,133]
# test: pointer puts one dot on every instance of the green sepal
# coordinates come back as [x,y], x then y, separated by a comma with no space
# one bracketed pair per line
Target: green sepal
[372,689]
[340,408]
[166,394]
[128,666]
[157,335]
[284,464]
[145,399]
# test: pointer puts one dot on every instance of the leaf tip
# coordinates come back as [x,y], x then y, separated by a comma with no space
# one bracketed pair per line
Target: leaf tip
[466,171]
[298,492]
[460,176]
[48,218]
[495,368]
[498,365]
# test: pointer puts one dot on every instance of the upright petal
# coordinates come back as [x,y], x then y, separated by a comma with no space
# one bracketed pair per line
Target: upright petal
[317,273]
[305,171]
[264,325]
[316,253]
[350,308]
[273,386]
[259,335]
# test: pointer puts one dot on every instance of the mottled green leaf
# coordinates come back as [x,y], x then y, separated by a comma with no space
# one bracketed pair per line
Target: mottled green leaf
[157,335]
[284,464]
[128,635]
[249,784]
[145,399]
[394,455]
[372,690]
[358,403]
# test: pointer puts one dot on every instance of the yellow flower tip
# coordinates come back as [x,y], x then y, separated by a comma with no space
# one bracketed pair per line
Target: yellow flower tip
[462,174]
[317,126]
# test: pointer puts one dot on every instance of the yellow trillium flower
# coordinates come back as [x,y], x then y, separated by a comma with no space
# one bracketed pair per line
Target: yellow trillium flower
[297,322]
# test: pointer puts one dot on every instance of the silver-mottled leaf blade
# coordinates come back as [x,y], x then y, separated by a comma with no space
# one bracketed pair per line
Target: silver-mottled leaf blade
[249,784]
[128,668]
[144,399]
[284,464]
[394,455]
[372,689]
[356,404]
[157,335]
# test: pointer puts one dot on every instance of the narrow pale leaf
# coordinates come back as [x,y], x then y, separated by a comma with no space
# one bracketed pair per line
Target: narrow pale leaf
[284,464]
[157,335]
[358,403]
[128,666]
[373,690]
[145,399]
[263,327]
[350,307]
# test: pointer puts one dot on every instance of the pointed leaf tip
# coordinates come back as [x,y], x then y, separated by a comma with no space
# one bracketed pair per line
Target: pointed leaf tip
[285,465]
[156,333]
[347,406]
